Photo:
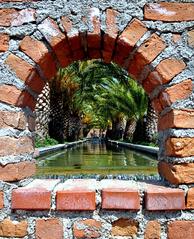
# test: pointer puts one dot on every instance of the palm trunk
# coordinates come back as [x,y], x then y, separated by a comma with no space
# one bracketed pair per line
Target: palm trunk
[151,124]
[130,129]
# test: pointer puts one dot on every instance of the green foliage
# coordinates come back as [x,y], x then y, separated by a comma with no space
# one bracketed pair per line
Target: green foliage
[39,142]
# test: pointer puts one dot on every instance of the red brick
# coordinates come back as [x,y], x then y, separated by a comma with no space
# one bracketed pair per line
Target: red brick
[75,195]
[49,228]
[182,229]
[14,146]
[125,227]
[73,37]
[85,229]
[156,104]
[176,92]
[145,54]
[177,173]
[129,37]
[25,72]
[163,198]
[164,72]
[12,17]
[118,194]
[180,147]
[153,230]
[14,229]
[25,99]
[177,119]
[190,199]
[17,171]
[169,12]
[4,42]
[34,196]
[9,94]
[12,120]
[57,40]
[94,36]
[39,53]
[110,35]
[1,199]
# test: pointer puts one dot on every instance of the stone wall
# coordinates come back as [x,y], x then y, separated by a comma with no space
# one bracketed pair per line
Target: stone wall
[153,42]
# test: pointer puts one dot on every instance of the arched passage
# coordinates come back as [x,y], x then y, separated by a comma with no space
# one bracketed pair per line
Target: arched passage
[136,48]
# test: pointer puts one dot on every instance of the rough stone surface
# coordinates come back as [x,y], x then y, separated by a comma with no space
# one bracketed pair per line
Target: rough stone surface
[49,228]
[10,228]
[17,171]
[12,120]
[153,230]
[124,227]
[177,119]
[4,42]
[169,12]
[191,38]
[184,229]
[16,146]
[88,228]
[1,199]
[182,147]
[190,199]
[177,173]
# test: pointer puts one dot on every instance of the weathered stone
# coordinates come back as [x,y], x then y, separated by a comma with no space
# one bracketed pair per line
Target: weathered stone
[184,230]
[190,199]
[4,42]
[191,38]
[49,228]
[180,147]
[88,228]
[17,171]
[125,227]
[10,228]
[153,230]
[177,173]
[12,120]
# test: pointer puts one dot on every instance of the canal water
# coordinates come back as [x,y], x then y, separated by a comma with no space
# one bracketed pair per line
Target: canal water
[96,158]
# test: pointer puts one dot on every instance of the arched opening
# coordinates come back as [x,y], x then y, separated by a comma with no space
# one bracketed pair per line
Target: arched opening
[135,49]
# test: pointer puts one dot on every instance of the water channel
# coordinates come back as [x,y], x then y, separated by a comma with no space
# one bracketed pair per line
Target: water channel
[96,158]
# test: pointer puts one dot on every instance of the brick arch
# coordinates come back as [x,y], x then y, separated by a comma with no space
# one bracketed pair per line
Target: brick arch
[135,49]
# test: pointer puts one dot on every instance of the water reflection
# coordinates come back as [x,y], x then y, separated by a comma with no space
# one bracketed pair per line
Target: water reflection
[96,158]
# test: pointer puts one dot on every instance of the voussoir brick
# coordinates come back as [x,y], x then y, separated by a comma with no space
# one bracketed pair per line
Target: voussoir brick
[110,35]
[74,39]
[127,40]
[119,195]
[145,54]
[40,54]
[177,173]
[163,198]
[35,196]
[57,41]
[77,195]
[49,228]
[164,72]
[176,92]
[169,11]
[184,229]
[17,171]
[177,119]
[25,72]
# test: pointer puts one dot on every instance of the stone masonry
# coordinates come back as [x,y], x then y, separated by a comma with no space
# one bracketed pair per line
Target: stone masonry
[154,42]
